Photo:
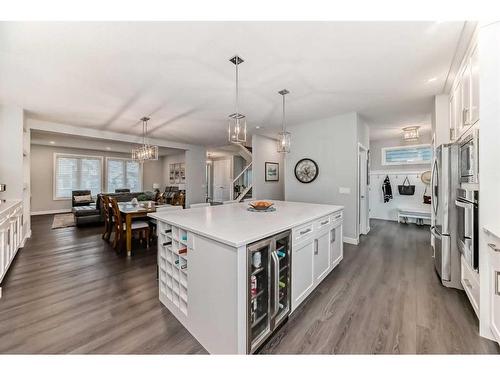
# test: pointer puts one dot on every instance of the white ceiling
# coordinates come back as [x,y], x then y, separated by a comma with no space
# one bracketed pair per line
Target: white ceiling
[86,143]
[107,75]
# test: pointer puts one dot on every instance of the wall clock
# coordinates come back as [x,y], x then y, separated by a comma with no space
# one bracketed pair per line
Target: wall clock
[306,170]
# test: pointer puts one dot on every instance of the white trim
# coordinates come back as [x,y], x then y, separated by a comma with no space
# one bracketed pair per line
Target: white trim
[50,212]
[28,235]
[385,149]
[350,240]
[81,156]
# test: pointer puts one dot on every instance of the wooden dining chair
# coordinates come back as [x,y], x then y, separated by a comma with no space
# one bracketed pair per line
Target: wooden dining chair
[108,218]
[120,227]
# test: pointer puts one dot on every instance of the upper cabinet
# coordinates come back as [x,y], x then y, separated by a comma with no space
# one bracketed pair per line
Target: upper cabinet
[474,83]
[464,98]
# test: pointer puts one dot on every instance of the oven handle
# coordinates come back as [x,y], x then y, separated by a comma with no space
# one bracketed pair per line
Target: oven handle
[467,206]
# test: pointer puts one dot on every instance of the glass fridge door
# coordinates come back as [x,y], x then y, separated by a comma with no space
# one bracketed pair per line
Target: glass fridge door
[280,266]
[258,320]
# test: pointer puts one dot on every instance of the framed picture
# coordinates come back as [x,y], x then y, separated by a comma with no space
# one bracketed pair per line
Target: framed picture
[183,173]
[177,173]
[171,173]
[272,171]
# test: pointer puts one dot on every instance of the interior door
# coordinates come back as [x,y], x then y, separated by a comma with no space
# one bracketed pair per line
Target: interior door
[222,179]
[363,191]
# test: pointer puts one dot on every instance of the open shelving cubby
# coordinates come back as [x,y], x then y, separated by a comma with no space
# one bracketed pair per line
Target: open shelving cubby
[173,276]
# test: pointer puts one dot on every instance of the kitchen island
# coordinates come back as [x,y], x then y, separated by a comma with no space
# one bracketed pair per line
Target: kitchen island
[232,276]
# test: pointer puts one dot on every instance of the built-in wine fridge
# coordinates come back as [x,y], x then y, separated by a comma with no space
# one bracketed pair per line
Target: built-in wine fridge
[268,285]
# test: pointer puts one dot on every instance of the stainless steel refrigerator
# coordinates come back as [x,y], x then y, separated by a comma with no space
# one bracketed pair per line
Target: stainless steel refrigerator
[269,293]
[445,181]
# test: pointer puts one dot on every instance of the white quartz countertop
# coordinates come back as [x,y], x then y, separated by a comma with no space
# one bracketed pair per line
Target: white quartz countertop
[235,226]
[4,206]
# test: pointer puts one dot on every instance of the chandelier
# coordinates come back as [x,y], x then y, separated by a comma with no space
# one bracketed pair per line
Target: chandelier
[410,133]
[145,151]
[284,136]
[237,126]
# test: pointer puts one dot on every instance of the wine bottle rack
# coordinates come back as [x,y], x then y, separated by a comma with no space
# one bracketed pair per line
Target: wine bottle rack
[173,267]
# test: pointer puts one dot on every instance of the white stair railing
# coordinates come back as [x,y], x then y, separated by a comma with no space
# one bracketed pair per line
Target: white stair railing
[241,184]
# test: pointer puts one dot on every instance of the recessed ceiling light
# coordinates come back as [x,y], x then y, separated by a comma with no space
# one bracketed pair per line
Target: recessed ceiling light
[432,79]
[52,142]
[108,148]
[257,127]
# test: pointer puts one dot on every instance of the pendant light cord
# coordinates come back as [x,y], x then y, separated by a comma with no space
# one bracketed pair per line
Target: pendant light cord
[237,86]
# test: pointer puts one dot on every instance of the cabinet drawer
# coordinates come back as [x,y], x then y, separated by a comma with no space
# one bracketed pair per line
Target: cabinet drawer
[470,282]
[303,232]
[336,218]
[322,223]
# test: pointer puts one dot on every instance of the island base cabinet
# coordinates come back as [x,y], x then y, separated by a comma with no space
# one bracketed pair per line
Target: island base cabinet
[321,256]
[302,271]
[495,295]
[336,246]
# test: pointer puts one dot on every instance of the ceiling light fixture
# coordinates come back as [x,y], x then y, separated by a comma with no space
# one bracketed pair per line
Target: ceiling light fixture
[52,142]
[433,79]
[410,133]
[145,151]
[284,136]
[237,125]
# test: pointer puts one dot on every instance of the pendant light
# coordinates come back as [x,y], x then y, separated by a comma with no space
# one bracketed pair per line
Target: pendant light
[284,136]
[145,151]
[237,126]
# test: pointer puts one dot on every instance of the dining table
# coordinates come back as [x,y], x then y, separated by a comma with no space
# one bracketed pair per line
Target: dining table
[130,211]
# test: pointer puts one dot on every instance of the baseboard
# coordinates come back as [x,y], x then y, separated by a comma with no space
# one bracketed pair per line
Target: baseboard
[49,212]
[28,235]
[350,240]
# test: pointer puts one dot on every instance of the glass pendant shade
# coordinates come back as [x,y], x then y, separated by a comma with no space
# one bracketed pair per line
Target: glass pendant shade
[237,125]
[410,133]
[284,137]
[145,151]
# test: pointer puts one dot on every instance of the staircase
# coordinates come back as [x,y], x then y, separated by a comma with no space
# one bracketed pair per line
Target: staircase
[241,186]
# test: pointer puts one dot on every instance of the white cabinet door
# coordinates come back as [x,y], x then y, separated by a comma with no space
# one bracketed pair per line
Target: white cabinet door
[466,100]
[495,296]
[456,108]
[474,78]
[302,271]
[321,256]
[336,246]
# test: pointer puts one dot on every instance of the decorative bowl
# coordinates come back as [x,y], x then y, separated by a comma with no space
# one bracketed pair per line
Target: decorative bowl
[260,205]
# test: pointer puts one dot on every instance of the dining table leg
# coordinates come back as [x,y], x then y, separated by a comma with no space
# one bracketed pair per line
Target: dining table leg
[128,220]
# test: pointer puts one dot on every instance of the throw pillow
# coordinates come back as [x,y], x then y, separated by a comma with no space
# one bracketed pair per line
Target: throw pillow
[82,198]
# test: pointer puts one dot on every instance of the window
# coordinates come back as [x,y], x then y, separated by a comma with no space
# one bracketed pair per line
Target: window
[76,172]
[417,154]
[123,173]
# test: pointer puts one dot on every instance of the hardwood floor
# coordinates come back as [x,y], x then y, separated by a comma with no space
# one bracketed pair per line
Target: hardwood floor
[68,292]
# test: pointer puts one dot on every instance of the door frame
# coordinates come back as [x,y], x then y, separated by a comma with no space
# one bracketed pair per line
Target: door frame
[362,208]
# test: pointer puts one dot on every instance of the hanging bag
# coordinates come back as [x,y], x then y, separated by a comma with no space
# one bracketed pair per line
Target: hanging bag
[427,198]
[406,188]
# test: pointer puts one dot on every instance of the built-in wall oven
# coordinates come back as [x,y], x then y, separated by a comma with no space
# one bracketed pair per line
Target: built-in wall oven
[467,225]
[469,158]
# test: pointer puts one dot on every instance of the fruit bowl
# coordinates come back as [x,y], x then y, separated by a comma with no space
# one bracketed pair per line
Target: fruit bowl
[260,205]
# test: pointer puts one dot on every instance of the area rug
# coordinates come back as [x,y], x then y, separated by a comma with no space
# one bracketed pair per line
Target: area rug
[63,221]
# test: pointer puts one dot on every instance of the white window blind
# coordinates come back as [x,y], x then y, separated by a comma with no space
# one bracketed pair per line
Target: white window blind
[417,154]
[76,172]
[123,173]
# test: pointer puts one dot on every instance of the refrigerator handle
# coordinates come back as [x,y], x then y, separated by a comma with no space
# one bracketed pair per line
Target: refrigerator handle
[275,283]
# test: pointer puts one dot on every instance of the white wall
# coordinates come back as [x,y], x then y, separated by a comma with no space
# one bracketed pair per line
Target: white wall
[333,144]
[11,151]
[42,175]
[196,184]
[265,150]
